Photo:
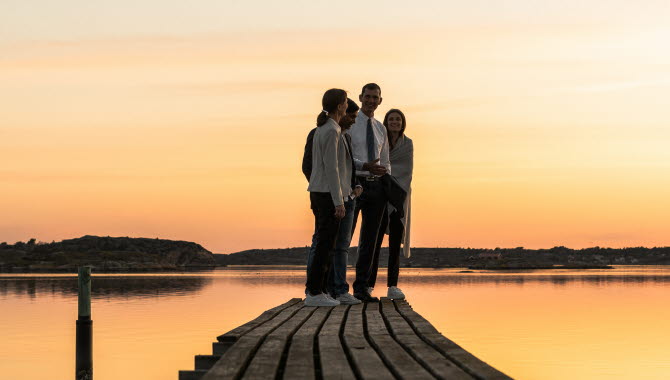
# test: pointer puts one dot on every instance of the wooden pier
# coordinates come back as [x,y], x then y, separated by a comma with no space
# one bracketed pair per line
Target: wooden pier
[380,340]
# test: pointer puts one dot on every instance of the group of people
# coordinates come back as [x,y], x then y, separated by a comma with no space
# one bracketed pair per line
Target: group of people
[353,163]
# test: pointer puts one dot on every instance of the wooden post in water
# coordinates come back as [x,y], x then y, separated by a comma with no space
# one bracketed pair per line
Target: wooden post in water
[84,363]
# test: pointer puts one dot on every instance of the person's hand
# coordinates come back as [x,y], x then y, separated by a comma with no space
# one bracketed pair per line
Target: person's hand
[358,190]
[374,168]
[339,211]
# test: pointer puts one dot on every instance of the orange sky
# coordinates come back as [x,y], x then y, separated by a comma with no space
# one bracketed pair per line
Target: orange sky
[534,125]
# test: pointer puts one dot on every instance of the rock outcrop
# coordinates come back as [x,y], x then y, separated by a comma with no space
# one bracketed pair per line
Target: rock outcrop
[105,254]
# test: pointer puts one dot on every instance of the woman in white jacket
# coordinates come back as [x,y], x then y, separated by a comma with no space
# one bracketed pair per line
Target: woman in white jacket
[401,155]
[329,185]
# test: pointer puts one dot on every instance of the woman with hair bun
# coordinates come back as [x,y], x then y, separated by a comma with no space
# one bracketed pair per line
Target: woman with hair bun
[329,187]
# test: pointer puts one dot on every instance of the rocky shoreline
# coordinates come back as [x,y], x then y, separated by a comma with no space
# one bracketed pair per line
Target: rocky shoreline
[489,259]
[125,254]
[104,254]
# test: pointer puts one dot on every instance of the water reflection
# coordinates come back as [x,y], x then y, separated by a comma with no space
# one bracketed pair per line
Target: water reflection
[552,324]
[455,277]
[175,284]
[110,288]
[520,280]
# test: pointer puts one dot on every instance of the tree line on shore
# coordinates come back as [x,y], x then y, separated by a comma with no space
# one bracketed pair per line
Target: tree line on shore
[125,253]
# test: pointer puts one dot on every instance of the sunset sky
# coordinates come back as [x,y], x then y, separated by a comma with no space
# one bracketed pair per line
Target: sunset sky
[534,123]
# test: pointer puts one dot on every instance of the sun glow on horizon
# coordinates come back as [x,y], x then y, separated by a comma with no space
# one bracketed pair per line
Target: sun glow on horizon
[536,133]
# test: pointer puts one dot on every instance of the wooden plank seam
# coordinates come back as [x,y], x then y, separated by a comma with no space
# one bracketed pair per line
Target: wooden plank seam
[300,359]
[428,357]
[267,359]
[262,339]
[366,334]
[481,370]
[284,355]
[236,333]
[340,334]
[317,356]
[250,340]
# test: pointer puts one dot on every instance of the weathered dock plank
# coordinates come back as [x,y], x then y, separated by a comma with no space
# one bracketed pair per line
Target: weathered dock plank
[436,363]
[300,362]
[234,361]
[468,362]
[386,340]
[266,361]
[394,356]
[234,334]
[334,362]
[367,364]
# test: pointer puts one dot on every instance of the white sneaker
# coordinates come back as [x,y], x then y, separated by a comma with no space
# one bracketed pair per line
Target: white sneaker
[370,289]
[395,293]
[320,300]
[347,299]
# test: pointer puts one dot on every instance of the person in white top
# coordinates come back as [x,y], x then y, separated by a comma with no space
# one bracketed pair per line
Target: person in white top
[329,187]
[398,228]
[370,144]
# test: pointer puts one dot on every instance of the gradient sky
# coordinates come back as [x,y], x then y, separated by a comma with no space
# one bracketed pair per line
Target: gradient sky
[534,123]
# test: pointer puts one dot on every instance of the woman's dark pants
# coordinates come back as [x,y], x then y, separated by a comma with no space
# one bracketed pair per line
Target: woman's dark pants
[396,232]
[326,232]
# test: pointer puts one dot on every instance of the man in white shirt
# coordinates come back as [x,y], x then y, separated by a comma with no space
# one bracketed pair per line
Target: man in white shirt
[370,144]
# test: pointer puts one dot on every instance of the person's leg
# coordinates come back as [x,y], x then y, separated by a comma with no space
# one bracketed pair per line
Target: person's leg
[333,231]
[310,254]
[326,231]
[372,201]
[396,231]
[378,248]
[338,278]
[357,211]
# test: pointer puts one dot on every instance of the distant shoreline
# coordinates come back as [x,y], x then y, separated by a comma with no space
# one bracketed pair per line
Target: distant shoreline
[195,270]
[476,258]
[142,255]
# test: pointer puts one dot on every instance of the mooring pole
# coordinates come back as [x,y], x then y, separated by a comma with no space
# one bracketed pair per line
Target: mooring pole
[84,363]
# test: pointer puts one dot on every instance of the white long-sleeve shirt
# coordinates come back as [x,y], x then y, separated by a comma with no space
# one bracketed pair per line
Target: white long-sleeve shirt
[358,133]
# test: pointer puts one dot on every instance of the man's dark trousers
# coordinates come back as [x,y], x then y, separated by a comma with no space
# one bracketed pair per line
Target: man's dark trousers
[371,204]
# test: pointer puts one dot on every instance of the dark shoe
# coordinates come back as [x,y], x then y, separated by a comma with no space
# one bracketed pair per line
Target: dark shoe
[365,297]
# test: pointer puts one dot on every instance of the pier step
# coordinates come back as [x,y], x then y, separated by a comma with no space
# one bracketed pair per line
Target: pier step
[192,375]
[206,361]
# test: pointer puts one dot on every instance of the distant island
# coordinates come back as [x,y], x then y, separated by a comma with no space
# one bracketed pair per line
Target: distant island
[474,258]
[110,254]
[105,254]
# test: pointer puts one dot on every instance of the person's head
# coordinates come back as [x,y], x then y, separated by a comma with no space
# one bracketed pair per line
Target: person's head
[370,97]
[334,103]
[395,122]
[350,117]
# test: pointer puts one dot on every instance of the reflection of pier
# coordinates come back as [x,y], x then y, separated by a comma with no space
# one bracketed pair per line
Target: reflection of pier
[385,340]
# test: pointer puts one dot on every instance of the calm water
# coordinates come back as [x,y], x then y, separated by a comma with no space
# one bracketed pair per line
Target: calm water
[591,324]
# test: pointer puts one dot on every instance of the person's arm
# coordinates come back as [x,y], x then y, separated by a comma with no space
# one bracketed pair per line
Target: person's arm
[356,187]
[358,164]
[332,171]
[411,162]
[354,180]
[307,156]
[384,155]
